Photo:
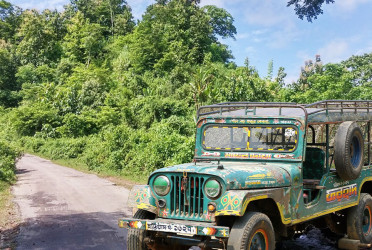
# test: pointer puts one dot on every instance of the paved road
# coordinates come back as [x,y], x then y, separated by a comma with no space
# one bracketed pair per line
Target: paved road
[62,208]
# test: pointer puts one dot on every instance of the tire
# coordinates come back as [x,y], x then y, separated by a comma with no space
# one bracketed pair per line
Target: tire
[135,239]
[349,150]
[359,220]
[252,231]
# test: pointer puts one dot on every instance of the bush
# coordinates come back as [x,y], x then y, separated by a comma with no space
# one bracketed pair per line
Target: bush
[145,111]
[88,122]
[77,125]
[158,147]
[108,149]
[140,151]
[61,148]
[8,157]
[27,120]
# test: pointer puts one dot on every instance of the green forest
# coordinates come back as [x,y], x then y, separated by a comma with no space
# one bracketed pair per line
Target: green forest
[92,84]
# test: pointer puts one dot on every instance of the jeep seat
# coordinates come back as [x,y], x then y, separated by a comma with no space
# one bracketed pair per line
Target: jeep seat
[313,167]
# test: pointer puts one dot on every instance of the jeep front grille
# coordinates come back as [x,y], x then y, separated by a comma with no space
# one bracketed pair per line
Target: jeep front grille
[191,205]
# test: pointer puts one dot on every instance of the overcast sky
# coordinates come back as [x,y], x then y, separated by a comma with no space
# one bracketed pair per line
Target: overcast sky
[268,30]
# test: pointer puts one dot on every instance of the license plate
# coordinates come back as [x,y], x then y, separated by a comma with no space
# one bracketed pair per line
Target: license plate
[172,228]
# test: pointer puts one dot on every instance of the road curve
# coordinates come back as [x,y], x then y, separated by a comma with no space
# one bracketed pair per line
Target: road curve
[62,208]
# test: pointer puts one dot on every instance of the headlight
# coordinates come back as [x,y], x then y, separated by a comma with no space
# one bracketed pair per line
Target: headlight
[212,188]
[161,185]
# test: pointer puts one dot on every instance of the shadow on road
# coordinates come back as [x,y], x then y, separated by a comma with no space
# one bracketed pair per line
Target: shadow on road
[314,238]
[8,236]
[21,171]
[72,231]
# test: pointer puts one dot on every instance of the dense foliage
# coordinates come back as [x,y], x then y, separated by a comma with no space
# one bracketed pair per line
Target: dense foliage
[8,156]
[91,84]
[310,9]
[8,151]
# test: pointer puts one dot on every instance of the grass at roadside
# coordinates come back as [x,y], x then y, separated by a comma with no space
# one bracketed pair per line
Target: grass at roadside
[118,179]
[9,218]
[5,203]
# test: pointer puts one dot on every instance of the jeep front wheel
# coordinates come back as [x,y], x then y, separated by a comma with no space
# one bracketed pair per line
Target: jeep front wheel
[135,239]
[252,231]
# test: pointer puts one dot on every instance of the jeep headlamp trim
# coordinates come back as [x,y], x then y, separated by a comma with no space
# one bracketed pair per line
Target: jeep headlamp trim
[212,188]
[161,185]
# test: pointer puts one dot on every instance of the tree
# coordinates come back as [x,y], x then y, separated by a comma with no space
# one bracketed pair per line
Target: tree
[280,76]
[333,82]
[221,21]
[270,69]
[201,79]
[179,33]
[360,70]
[234,84]
[360,66]
[8,84]
[9,20]
[84,41]
[310,9]
[114,15]
[39,37]
[349,80]
[308,70]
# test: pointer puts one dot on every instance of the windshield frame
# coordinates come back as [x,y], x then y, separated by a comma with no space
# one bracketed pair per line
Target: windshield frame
[250,126]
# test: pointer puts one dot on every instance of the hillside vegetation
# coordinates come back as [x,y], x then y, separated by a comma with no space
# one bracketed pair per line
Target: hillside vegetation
[92,84]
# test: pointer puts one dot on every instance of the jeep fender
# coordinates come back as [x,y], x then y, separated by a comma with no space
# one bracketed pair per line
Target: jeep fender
[140,197]
[235,202]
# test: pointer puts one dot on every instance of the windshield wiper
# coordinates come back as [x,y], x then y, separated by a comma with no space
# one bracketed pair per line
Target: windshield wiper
[199,159]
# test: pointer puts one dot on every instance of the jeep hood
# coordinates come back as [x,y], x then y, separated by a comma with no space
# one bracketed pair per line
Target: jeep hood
[245,175]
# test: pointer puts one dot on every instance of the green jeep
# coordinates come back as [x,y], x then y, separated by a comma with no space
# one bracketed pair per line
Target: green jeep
[261,172]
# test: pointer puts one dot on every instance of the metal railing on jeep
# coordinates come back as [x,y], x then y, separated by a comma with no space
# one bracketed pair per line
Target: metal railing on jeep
[333,111]
[241,109]
[323,111]
[341,105]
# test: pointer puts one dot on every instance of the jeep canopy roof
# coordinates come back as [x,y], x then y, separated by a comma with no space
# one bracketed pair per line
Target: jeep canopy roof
[319,112]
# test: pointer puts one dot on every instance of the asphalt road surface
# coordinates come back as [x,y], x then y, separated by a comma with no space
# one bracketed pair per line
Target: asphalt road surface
[62,208]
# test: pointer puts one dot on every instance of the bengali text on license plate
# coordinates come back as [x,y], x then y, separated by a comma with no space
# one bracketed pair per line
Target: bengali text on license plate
[173,228]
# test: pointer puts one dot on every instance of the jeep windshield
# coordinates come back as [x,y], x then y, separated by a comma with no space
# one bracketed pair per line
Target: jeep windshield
[250,138]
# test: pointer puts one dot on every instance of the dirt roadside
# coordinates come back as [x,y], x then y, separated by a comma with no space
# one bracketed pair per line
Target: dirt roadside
[61,208]
[9,219]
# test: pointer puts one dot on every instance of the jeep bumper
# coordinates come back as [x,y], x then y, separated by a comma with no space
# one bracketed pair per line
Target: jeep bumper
[176,226]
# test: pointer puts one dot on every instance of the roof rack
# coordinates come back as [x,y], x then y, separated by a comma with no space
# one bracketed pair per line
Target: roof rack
[236,103]
[246,108]
[323,111]
[340,105]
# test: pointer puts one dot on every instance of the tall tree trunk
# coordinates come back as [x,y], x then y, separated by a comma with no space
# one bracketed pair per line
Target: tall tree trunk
[112,18]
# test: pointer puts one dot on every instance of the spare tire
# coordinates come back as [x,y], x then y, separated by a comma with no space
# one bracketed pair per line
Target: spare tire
[349,150]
